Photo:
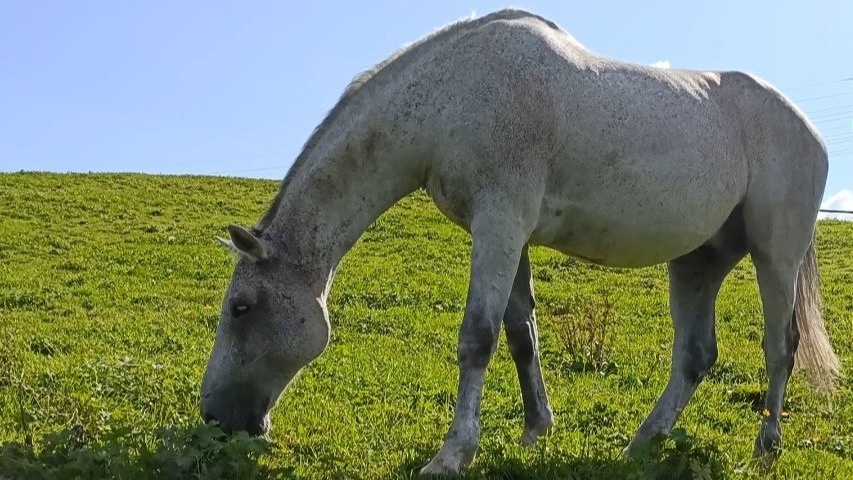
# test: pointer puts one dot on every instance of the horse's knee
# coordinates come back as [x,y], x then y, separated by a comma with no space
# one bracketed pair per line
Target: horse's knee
[700,356]
[522,345]
[477,342]
[793,340]
[519,307]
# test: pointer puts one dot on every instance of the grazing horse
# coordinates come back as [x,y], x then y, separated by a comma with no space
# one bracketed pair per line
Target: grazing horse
[523,136]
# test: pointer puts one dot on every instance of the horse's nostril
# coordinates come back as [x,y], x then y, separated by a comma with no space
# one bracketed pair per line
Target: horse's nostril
[208,417]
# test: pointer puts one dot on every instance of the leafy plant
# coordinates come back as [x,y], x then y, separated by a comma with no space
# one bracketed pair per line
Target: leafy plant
[678,456]
[201,452]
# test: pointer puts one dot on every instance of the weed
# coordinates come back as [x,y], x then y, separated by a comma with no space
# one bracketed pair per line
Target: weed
[587,337]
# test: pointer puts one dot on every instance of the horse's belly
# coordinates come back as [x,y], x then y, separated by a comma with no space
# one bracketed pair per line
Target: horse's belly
[623,237]
[620,204]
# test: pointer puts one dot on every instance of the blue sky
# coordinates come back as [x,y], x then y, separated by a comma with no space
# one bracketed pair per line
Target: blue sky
[228,88]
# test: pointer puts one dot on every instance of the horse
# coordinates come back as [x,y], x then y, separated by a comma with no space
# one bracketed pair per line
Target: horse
[523,136]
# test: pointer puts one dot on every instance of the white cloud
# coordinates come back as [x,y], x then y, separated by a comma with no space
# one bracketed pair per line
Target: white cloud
[842,200]
[661,64]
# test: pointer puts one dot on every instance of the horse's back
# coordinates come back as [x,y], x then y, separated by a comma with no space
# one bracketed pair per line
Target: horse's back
[639,164]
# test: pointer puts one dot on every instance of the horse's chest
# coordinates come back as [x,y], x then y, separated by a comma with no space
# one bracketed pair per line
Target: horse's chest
[451,197]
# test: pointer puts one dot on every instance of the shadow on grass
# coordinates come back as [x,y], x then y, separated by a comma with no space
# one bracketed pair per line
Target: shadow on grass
[203,452]
[676,457]
[752,398]
[200,452]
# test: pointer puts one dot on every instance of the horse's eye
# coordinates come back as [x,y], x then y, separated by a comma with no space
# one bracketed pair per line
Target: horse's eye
[239,309]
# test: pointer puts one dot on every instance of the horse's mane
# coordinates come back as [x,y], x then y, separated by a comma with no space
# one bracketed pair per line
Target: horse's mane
[362,79]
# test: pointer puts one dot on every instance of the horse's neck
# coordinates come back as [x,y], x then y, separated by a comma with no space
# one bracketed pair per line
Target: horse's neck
[337,196]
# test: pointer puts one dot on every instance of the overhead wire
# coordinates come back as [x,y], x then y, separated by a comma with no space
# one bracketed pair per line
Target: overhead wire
[825,119]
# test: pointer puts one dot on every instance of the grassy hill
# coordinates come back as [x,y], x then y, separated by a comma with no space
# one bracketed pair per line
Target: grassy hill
[110,287]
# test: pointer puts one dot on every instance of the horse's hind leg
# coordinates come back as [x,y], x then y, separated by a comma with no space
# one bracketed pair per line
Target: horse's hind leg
[523,339]
[777,284]
[779,216]
[694,281]
[778,243]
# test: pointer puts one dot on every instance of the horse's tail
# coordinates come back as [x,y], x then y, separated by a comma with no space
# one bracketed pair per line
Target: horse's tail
[814,353]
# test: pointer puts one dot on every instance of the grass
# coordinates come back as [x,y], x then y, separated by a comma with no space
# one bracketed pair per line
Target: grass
[110,288]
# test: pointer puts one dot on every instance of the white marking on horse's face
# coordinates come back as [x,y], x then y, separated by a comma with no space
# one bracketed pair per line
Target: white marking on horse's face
[269,329]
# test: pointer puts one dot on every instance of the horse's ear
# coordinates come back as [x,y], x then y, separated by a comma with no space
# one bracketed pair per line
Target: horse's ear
[230,246]
[243,242]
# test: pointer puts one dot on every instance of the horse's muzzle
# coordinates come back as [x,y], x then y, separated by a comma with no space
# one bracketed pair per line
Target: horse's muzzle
[236,410]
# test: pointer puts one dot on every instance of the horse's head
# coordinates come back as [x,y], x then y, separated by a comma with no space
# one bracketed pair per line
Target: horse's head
[270,328]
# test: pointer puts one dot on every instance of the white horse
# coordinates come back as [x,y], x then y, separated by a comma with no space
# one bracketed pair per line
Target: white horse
[523,136]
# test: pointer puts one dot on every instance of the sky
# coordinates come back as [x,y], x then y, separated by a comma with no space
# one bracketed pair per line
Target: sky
[223,88]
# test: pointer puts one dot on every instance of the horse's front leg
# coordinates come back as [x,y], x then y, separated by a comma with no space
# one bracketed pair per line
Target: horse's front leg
[523,338]
[498,241]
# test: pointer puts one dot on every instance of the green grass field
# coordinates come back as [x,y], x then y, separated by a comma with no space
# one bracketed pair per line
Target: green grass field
[110,287]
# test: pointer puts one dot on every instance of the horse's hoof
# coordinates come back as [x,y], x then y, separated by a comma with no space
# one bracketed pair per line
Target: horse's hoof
[449,461]
[638,448]
[767,451]
[768,444]
[440,467]
[532,434]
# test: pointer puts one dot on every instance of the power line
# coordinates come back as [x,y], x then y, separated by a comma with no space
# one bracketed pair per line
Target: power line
[822,97]
[828,116]
[831,121]
[822,110]
[841,134]
[836,127]
[821,84]
[833,115]
[838,133]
